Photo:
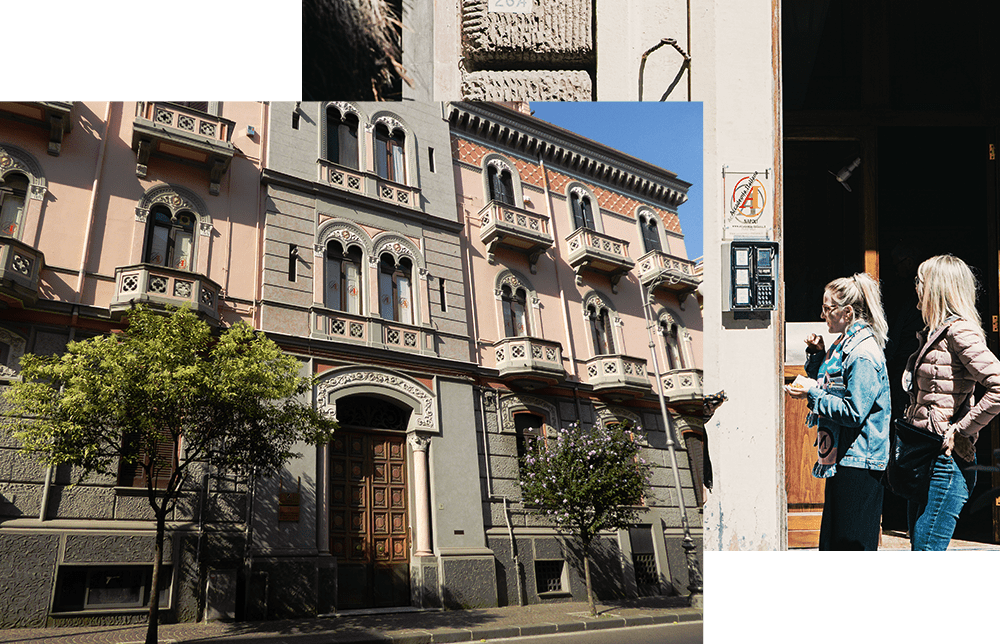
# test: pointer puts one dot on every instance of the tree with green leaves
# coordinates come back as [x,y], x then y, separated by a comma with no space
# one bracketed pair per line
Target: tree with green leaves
[586,481]
[161,399]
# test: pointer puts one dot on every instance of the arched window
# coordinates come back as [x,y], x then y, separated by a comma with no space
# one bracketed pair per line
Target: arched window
[343,278]
[13,197]
[672,341]
[501,185]
[650,232]
[170,241]
[600,326]
[527,424]
[583,211]
[515,320]
[390,160]
[342,137]
[394,289]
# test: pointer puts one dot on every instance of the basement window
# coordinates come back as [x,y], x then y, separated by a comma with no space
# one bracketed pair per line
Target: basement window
[101,588]
[550,576]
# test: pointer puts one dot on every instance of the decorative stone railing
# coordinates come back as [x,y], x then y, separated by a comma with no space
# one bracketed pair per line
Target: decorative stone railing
[160,286]
[186,119]
[530,362]
[683,385]
[617,373]
[372,332]
[589,249]
[660,270]
[368,184]
[512,227]
[20,267]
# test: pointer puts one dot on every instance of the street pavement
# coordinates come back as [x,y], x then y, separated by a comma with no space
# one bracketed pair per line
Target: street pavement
[408,627]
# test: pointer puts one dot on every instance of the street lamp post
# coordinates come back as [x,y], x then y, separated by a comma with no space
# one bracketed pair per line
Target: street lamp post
[695,586]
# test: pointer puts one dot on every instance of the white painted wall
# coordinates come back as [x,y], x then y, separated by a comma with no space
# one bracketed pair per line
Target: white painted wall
[733,77]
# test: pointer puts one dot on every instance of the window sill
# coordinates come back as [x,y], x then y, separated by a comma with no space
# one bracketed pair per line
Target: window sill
[555,594]
[122,490]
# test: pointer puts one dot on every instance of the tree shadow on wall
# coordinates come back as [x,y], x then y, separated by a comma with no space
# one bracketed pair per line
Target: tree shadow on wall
[352,50]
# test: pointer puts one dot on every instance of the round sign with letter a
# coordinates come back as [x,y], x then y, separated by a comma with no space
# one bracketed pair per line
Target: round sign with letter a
[748,199]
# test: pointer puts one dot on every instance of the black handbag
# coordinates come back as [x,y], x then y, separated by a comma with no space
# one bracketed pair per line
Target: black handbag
[911,459]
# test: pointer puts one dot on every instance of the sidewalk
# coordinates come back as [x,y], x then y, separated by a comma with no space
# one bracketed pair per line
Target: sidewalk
[892,540]
[410,627]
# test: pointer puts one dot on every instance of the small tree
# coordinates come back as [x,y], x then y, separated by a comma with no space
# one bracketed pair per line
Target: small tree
[586,481]
[129,399]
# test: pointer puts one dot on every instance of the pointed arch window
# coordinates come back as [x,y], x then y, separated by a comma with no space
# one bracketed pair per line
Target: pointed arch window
[343,278]
[601,331]
[672,339]
[13,197]
[501,185]
[389,154]
[170,241]
[583,211]
[650,233]
[342,137]
[395,293]
[515,319]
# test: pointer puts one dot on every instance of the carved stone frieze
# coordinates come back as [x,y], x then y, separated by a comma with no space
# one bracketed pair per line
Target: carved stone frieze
[16,343]
[419,442]
[517,402]
[425,414]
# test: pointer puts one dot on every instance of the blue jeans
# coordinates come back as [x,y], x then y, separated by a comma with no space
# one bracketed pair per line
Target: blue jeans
[932,518]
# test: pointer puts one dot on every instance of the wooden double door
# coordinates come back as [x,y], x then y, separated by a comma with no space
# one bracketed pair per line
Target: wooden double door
[368,519]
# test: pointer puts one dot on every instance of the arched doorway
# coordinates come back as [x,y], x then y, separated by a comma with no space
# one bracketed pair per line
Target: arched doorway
[369,525]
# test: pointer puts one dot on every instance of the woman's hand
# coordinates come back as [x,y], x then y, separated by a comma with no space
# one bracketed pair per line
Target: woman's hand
[948,443]
[815,344]
[800,387]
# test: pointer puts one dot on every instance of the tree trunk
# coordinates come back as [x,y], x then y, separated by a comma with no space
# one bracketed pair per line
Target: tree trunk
[586,576]
[152,628]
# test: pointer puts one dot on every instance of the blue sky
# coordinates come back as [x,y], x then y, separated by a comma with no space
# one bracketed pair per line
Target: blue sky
[666,134]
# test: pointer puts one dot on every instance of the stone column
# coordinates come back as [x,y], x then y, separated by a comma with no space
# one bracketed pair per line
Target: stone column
[421,493]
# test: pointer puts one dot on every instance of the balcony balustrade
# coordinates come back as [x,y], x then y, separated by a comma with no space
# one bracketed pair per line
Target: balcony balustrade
[368,184]
[683,385]
[512,227]
[372,332]
[618,377]
[177,131]
[20,267]
[591,250]
[658,270]
[160,286]
[529,363]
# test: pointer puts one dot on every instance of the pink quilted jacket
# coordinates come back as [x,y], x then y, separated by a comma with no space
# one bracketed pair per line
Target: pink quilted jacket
[948,365]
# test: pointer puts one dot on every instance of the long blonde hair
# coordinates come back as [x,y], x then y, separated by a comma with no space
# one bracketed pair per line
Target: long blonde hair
[862,293]
[946,286]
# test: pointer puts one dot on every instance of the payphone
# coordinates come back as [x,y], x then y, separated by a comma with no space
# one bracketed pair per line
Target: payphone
[749,275]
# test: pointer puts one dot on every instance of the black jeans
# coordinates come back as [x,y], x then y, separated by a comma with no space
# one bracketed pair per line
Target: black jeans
[852,510]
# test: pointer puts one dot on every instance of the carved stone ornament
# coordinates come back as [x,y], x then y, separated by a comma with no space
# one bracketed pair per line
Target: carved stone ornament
[511,279]
[596,301]
[176,199]
[397,247]
[345,108]
[517,402]
[14,159]
[318,250]
[205,228]
[579,192]
[500,165]
[425,415]
[607,415]
[390,123]
[419,442]
[16,343]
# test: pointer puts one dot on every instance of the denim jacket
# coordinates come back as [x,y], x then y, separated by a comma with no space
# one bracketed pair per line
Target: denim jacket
[860,407]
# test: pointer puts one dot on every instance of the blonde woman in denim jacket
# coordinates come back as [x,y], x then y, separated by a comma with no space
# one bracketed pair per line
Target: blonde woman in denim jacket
[952,359]
[848,395]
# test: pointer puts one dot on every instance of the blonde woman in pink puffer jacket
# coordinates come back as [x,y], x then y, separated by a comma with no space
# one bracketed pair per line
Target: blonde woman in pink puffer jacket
[952,358]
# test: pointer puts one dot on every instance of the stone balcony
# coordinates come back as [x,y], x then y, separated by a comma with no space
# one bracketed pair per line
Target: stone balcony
[529,363]
[159,287]
[372,332]
[183,133]
[368,184]
[20,267]
[658,270]
[594,251]
[512,227]
[617,377]
[683,386]
[56,116]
